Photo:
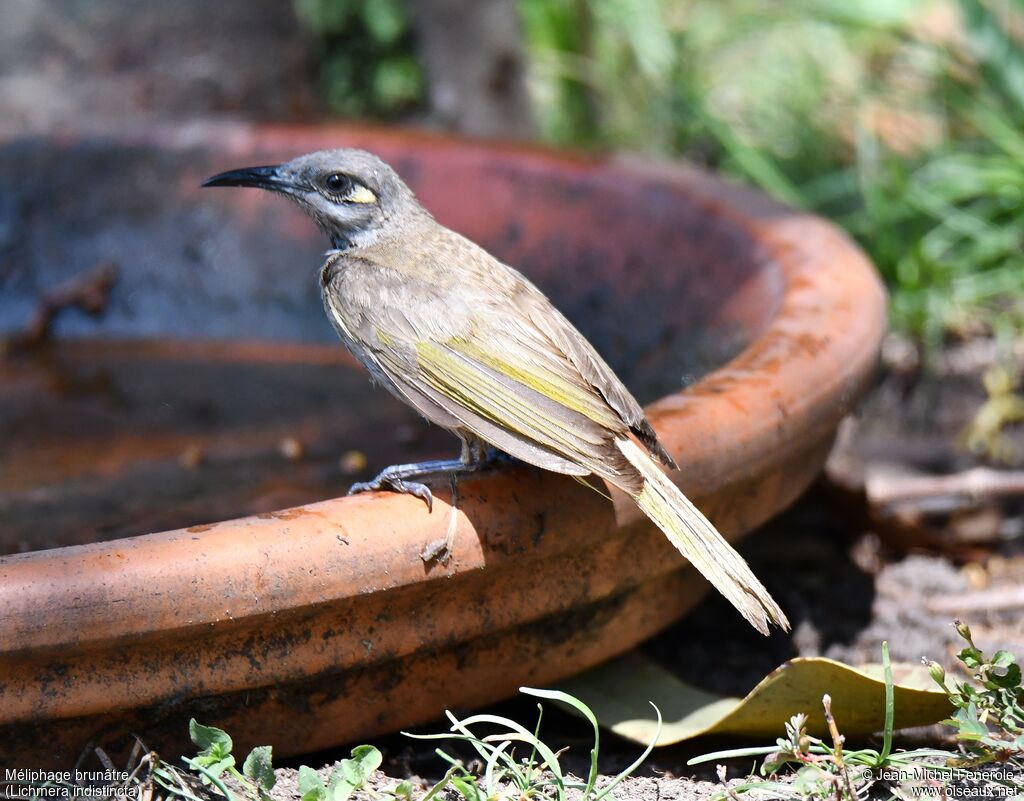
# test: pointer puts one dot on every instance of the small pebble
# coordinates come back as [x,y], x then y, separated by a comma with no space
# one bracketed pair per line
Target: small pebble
[291,449]
[191,457]
[353,462]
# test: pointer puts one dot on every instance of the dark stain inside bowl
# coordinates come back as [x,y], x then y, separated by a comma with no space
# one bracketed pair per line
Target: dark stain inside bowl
[121,435]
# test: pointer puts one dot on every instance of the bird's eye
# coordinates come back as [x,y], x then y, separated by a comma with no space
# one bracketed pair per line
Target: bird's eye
[337,183]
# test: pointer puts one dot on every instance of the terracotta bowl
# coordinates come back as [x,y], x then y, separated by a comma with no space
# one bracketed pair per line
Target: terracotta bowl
[212,389]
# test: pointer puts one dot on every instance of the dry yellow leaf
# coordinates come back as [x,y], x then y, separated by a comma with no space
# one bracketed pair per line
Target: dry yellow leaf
[620,693]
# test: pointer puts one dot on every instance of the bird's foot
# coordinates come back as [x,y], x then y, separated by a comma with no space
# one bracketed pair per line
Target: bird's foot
[395,484]
[397,478]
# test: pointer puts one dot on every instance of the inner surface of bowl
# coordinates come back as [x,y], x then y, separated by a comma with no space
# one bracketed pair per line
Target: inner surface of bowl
[127,435]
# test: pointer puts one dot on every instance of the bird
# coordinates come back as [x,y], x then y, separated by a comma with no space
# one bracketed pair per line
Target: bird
[475,347]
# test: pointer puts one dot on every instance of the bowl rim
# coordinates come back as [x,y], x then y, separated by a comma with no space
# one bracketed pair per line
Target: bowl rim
[790,386]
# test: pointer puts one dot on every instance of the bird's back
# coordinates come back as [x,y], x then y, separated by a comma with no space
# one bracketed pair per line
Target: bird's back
[473,340]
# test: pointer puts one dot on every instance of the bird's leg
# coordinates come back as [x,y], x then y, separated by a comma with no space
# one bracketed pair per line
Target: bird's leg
[397,477]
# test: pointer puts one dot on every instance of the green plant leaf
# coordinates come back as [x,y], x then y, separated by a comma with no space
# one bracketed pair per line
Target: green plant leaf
[970,656]
[351,774]
[1003,659]
[584,710]
[890,705]
[516,732]
[402,790]
[365,760]
[384,19]
[258,767]
[311,786]
[208,777]
[606,790]
[218,767]
[809,781]
[211,740]
[1005,677]
[966,720]
[493,773]
[338,787]
[467,789]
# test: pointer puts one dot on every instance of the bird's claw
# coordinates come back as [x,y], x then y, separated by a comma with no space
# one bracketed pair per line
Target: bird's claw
[394,484]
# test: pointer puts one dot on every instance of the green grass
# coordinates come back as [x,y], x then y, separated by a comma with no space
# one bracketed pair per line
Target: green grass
[898,119]
[366,63]
[539,775]
[502,774]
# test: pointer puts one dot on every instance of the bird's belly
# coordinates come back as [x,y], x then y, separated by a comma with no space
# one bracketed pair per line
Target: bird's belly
[357,348]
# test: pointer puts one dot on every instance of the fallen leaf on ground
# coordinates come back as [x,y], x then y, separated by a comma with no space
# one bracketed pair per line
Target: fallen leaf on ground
[621,691]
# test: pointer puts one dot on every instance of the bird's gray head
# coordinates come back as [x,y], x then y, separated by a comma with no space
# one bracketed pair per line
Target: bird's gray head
[351,194]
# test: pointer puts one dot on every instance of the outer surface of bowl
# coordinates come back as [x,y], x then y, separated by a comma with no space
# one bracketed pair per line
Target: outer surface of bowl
[317,625]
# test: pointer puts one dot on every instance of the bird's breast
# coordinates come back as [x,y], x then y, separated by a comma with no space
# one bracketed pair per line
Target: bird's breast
[332,266]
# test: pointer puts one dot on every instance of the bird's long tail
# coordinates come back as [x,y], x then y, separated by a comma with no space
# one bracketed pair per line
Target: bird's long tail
[699,541]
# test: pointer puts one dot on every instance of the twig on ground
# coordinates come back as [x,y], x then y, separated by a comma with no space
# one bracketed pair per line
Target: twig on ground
[837,751]
[971,485]
[731,794]
[1001,599]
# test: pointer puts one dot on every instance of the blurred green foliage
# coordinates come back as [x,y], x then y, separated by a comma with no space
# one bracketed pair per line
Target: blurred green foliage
[899,119]
[366,61]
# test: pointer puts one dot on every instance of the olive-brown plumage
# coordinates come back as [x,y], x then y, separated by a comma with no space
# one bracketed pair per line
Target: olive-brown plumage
[475,347]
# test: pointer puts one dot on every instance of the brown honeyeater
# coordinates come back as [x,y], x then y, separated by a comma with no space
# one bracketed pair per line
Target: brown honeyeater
[475,347]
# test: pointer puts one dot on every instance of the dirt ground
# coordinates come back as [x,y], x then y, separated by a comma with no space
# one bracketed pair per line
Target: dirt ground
[849,570]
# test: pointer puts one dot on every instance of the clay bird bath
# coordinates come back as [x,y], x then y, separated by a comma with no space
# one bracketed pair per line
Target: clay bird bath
[210,402]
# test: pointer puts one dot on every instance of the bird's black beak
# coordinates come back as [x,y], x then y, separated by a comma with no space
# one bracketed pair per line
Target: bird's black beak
[260,177]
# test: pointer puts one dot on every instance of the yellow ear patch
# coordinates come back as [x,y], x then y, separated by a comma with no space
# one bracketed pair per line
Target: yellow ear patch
[360,194]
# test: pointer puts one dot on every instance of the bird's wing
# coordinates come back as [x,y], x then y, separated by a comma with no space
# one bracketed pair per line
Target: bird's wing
[486,347]
[509,383]
[575,347]
[513,398]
